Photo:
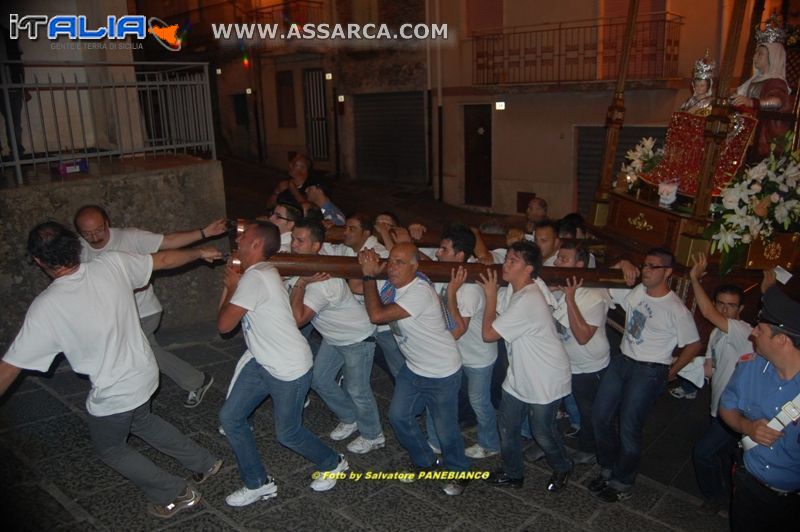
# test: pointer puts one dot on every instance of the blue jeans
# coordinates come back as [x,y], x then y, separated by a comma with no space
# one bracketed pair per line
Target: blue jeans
[391,352]
[584,390]
[253,386]
[545,432]
[479,388]
[628,390]
[713,457]
[355,402]
[571,408]
[412,394]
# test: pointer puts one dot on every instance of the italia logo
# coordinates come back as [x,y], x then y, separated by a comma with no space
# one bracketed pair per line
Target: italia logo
[76,27]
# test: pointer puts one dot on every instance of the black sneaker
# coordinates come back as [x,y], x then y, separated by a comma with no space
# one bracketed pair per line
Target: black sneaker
[195,396]
[558,480]
[416,471]
[597,485]
[613,495]
[199,478]
[501,479]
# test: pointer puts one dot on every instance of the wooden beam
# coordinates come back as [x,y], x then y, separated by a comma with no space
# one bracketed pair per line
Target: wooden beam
[348,268]
[615,115]
[717,123]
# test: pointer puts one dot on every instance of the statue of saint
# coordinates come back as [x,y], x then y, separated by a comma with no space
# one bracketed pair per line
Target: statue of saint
[699,103]
[767,89]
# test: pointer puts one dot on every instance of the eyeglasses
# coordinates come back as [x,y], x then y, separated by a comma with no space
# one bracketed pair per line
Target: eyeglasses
[96,232]
[278,216]
[653,266]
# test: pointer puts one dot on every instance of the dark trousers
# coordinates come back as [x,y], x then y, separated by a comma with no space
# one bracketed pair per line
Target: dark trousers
[757,507]
[584,390]
[713,457]
[110,439]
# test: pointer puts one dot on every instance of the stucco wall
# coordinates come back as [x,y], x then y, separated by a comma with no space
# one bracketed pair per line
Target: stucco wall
[533,140]
[170,196]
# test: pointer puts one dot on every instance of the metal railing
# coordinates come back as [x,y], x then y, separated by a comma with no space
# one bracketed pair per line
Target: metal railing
[587,50]
[73,112]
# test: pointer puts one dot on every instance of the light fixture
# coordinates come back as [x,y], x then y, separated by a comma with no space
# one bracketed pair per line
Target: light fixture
[328,76]
[499,106]
[248,90]
[340,99]
[219,72]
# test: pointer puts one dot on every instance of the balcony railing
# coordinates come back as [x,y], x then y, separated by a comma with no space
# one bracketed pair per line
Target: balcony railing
[66,114]
[284,15]
[577,51]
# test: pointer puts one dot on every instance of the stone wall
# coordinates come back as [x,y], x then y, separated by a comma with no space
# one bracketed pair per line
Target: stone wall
[161,195]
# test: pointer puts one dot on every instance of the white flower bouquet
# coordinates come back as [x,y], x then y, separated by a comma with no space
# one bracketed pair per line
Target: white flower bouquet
[762,200]
[643,159]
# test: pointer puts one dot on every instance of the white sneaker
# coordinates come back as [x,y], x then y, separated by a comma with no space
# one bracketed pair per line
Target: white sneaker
[680,393]
[478,452]
[244,496]
[435,449]
[327,479]
[343,430]
[361,445]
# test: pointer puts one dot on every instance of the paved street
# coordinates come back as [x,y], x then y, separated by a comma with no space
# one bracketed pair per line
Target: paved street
[51,478]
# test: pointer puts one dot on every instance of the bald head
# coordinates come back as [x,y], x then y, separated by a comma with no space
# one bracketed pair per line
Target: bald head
[403,264]
[91,222]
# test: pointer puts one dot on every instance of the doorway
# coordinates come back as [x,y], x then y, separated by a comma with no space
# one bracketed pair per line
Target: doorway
[478,155]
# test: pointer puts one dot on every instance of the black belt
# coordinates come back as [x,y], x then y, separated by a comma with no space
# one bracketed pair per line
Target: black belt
[646,364]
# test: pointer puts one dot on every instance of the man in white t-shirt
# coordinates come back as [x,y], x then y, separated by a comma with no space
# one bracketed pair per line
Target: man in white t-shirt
[545,235]
[88,312]
[581,322]
[538,374]
[656,322]
[347,346]
[358,237]
[94,226]
[280,368]
[730,340]
[431,375]
[465,302]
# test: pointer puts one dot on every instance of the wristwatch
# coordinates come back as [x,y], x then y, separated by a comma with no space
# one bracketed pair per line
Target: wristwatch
[369,278]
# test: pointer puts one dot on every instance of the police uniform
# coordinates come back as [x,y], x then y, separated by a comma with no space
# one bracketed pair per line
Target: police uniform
[767,480]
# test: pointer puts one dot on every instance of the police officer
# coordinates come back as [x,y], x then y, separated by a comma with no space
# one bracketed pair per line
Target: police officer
[762,402]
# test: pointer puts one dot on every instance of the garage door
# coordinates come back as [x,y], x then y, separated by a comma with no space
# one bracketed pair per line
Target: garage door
[390,136]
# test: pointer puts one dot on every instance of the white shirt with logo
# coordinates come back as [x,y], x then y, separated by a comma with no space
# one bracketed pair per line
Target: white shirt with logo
[654,326]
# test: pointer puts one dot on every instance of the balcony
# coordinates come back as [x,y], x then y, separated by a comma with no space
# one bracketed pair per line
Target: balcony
[580,51]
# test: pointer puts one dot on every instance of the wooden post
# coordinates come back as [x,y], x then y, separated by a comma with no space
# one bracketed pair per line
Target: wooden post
[615,115]
[717,122]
